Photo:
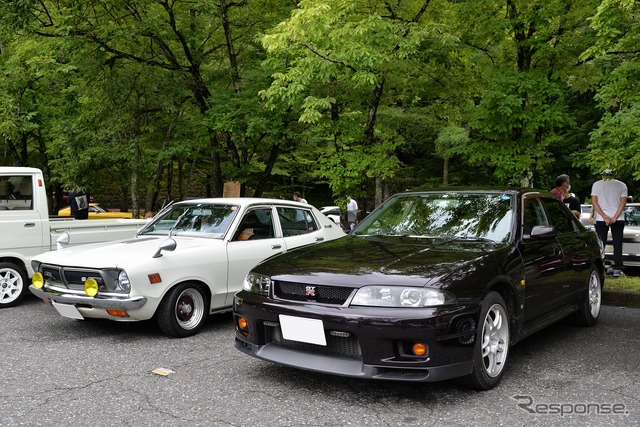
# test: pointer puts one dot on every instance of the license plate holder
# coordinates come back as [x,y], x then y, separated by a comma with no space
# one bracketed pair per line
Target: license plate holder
[67,310]
[302,329]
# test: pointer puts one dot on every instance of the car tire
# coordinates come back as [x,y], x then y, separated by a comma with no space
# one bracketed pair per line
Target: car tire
[13,284]
[492,344]
[183,310]
[589,308]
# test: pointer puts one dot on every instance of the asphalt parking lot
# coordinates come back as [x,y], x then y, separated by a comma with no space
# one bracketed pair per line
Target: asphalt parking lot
[59,372]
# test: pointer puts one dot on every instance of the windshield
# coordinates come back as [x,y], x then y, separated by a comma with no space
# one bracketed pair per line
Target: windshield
[199,219]
[484,216]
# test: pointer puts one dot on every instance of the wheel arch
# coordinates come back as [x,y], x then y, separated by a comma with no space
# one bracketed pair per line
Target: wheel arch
[508,293]
[17,261]
[202,285]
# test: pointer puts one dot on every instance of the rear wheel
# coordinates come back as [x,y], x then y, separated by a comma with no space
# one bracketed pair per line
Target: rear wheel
[13,284]
[492,344]
[589,311]
[183,311]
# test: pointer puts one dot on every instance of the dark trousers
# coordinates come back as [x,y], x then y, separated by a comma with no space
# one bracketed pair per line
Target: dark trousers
[617,233]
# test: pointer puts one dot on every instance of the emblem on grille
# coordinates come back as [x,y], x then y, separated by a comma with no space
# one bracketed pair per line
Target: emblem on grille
[48,275]
[310,291]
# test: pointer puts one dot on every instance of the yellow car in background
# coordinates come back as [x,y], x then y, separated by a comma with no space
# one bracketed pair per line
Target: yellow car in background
[97,212]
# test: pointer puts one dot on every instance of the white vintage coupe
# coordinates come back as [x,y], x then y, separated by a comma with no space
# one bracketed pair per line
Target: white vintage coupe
[187,262]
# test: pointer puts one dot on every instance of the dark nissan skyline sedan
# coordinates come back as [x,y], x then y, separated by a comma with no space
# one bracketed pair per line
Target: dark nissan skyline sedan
[432,285]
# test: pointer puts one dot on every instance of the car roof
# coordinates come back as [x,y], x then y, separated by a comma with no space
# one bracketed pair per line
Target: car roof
[246,201]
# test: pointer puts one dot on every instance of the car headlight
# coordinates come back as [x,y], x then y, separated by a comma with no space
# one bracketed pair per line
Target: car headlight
[123,281]
[257,283]
[397,296]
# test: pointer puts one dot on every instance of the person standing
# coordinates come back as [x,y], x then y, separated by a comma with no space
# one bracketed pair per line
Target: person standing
[352,212]
[563,185]
[609,197]
[572,203]
[298,197]
[79,201]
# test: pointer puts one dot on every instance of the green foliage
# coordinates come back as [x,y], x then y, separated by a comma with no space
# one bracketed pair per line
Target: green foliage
[150,96]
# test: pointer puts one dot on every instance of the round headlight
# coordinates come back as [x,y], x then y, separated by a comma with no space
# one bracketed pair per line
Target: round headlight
[123,281]
[91,287]
[37,280]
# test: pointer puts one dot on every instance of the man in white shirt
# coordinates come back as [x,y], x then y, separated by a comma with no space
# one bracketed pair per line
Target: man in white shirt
[298,197]
[609,197]
[352,210]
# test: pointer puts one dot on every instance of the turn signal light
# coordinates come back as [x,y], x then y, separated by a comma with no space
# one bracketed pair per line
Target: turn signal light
[419,349]
[117,313]
[91,287]
[37,280]
[243,326]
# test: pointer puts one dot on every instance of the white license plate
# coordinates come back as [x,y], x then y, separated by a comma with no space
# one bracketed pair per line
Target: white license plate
[302,329]
[67,310]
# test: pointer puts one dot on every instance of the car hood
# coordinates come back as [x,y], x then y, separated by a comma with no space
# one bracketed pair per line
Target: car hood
[117,253]
[358,261]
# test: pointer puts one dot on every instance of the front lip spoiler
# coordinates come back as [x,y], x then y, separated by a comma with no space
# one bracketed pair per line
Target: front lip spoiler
[109,303]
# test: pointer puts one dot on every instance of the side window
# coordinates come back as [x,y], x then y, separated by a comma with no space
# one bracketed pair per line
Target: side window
[295,221]
[533,215]
[256,224]
[16,192]
[560,217]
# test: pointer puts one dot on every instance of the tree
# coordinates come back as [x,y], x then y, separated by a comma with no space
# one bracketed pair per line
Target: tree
[616,141]
[338,66]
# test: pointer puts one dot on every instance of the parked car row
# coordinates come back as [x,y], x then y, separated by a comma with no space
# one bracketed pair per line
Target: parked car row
[432,285]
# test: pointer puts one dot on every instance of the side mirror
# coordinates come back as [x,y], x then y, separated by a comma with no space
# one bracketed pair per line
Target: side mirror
[542,232]
[167,245]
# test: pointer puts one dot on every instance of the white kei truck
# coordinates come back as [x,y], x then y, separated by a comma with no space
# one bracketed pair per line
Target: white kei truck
[26,229]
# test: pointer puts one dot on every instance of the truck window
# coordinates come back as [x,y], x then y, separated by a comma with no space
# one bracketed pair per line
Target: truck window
[16,193]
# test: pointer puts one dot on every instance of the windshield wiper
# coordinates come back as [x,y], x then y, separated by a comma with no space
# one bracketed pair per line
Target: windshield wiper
[470,238]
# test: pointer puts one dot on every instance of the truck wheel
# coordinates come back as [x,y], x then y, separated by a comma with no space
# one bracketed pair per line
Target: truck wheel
[183,311]
[13,283]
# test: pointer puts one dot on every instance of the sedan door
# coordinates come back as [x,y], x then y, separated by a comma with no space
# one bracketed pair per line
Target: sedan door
[575,249]
[254,240]
[546,281]
[298,226]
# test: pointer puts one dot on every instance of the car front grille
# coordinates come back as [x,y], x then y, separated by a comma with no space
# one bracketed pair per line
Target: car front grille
[74,278]
[347,346]
[304,292]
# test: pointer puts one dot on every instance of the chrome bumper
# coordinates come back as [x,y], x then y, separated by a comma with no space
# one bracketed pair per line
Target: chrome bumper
[107,303]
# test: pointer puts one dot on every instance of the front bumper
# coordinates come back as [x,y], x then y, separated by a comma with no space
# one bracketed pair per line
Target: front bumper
[363,342]
[82,301]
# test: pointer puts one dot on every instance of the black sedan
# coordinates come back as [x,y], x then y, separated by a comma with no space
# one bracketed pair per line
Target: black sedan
[432,285]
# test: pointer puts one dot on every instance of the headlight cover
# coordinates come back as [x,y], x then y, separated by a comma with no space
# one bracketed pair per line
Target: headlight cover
[123,281]
[257,283]
[398,296]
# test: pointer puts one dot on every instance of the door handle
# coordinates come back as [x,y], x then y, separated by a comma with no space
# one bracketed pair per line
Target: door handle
[30,224]
[319,239]
[276,246]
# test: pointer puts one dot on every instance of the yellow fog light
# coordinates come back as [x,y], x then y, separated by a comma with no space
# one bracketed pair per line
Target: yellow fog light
[37,280]
[91,287]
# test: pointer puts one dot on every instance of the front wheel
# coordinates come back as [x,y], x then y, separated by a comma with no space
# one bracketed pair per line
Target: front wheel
[492,345]
[589,309]
[183,311]
[13,284]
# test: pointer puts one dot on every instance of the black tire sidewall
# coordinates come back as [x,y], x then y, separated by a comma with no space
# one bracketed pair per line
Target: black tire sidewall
[165,313]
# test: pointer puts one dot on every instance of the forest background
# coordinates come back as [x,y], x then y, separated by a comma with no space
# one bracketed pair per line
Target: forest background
[152,100]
